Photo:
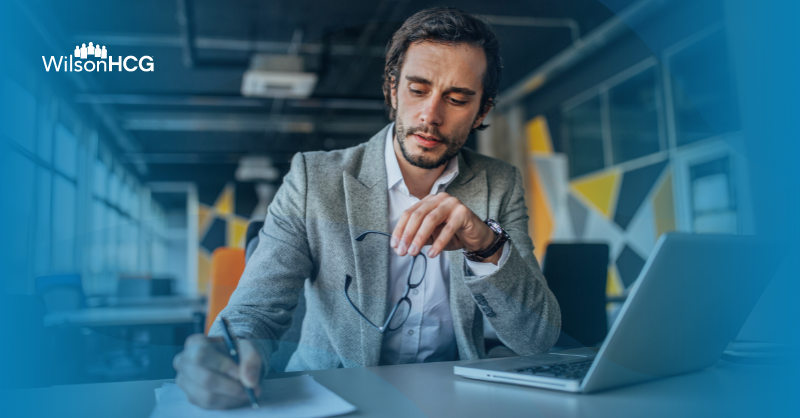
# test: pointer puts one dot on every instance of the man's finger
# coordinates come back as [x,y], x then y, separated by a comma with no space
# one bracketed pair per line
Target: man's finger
[432,220]
[207,394]
[212,357]
[249,364]
[206,380]
[413,220]
[446,235]
[401,224]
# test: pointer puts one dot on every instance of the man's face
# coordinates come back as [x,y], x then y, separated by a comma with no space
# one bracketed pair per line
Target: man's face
[438,101]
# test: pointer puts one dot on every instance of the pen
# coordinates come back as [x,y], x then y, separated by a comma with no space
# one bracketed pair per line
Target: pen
[226,334]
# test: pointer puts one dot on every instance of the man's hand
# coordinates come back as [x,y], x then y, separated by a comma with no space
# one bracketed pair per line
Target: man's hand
[209,376]
[444,222]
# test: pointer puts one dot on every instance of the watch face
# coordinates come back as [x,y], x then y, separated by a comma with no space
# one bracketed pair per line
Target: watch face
[494,226]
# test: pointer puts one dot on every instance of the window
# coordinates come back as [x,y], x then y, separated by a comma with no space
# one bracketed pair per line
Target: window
[633,117]
[44,132]
[583,134]
[17,120]
[100,179]
[64,224]
[53,224]
[66,152]
[112,244]
[703,99]
[44,232]
[17,184]
[713,199]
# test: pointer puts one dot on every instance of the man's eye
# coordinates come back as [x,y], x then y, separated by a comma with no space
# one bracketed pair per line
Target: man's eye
[417,92]
[458,102]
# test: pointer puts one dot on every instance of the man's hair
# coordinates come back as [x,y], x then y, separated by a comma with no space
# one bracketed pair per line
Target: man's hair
[449,26]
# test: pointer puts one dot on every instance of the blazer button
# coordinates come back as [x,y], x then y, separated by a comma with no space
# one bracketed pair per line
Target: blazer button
[483,303]
[491,314]
[487,310]
[479,297]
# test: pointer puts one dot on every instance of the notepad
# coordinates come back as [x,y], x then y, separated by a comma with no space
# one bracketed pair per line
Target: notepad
[291,397]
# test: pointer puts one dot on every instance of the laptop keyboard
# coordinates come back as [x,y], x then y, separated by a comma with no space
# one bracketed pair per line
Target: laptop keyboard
[573,371]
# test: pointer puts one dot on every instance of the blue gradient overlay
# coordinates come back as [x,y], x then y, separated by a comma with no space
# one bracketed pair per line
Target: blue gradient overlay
[765,63]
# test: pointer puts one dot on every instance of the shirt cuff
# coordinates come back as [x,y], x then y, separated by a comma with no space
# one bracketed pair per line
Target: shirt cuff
[485,269]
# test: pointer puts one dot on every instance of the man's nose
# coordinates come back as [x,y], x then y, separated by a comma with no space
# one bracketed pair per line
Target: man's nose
[432,111]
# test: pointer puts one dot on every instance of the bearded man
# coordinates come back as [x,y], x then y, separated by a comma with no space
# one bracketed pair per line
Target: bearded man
[403,244]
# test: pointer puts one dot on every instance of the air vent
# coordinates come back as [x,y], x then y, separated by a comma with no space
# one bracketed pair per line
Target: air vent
[277,76]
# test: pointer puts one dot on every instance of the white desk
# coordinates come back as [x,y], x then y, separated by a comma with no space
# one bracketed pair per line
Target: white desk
[431,390]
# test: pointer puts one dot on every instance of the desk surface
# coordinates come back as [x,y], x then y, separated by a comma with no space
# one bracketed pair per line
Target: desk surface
[432,390]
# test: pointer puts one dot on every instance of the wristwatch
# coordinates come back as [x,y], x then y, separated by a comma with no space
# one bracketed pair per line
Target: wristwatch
[501,236]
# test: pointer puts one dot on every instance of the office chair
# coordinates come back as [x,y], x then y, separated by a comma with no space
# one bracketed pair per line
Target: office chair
[61,292]
[577,275]
[290,339]
[251,238]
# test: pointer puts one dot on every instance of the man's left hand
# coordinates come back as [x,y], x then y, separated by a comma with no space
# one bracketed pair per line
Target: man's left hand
[444,222]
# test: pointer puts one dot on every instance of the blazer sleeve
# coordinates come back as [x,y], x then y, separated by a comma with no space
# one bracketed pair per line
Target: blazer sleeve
[262,306]
[515,298]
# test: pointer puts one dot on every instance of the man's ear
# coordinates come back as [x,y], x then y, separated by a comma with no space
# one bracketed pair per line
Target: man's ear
[482,115]
[393,92]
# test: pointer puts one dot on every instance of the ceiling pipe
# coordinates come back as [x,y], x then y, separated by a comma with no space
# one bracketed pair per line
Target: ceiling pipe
[186,23]
[593,41]
[222,122]
[537,22]
[226,101]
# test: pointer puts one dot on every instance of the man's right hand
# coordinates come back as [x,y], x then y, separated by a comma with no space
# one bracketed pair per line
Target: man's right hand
[209,376]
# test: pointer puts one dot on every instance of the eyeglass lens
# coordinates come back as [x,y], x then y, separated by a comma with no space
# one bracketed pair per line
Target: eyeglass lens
[417,270]
[400,315]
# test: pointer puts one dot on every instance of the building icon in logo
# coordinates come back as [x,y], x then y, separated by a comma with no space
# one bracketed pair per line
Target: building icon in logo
[96,58]
[84,52]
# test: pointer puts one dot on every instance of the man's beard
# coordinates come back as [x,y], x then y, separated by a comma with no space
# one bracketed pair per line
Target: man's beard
[453,144]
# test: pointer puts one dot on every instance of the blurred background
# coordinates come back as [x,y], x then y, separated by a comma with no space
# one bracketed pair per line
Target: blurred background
[128,194]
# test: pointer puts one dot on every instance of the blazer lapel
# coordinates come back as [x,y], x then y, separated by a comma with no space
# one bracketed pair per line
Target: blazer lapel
[367,203]
[472,190]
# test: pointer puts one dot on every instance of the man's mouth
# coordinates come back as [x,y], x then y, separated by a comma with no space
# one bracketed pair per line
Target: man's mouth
[426,141]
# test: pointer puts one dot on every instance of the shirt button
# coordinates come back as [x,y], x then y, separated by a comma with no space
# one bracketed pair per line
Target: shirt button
[416,292]
[411,332]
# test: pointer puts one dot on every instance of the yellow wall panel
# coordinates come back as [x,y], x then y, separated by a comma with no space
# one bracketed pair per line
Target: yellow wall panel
[664,207]
[224,203]
[237,228]
[538,133]
[541,216]
[203,270]
[599,191]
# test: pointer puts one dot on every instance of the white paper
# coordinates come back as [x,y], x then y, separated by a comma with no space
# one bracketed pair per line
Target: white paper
[292,397]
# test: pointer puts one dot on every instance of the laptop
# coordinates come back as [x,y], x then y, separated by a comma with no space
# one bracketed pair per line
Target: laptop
[689,302]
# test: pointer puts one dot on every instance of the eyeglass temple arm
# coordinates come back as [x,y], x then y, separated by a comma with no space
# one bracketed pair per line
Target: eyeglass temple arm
[347,281]
[365,233]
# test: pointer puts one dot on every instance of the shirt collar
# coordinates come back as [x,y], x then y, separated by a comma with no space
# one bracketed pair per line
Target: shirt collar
[394,177]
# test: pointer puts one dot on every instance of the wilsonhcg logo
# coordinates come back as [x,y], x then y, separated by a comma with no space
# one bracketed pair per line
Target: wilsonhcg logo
[76,63]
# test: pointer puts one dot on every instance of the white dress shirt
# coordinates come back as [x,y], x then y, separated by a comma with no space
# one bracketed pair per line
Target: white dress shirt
[427,335]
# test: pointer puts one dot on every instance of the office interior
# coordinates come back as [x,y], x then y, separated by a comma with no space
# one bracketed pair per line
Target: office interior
[130,193]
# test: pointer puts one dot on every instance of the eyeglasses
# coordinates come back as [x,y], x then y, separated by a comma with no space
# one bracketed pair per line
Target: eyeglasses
[402,308]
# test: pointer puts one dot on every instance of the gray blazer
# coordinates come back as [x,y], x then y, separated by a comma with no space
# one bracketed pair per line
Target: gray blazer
[326,200]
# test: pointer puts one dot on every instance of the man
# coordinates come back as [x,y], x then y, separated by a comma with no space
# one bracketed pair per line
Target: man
[414,179]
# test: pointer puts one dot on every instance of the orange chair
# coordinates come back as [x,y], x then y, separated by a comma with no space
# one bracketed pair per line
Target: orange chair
[227,266]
